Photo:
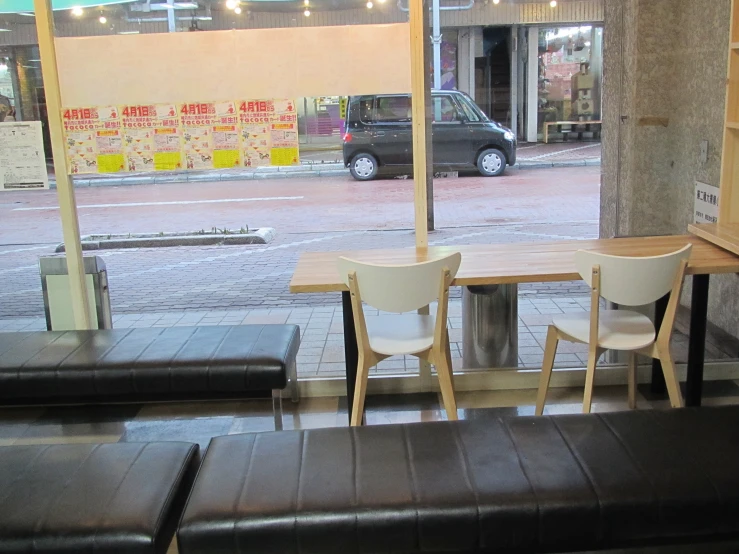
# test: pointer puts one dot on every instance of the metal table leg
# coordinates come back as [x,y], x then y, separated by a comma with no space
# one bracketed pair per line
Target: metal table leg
[351,351]
[697,344]
[658,385]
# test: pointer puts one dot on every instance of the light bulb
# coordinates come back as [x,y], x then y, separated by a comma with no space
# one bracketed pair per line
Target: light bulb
[231,4]
[103,19]
[381,1]
[306,13]
[77,11]
[306,3]
[496,1]
[553,3]
[237,10]
[370,5]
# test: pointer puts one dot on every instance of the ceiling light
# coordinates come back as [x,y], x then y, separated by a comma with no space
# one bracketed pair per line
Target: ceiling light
[128,32]
[588,43]
[370,5]
[237,10]
[27,14]
[496,1]
[306,13]
[306,3]
[5,30]
[186,5]
[231,4]
[553,3]
[77,11]
[103,19]
[381,1]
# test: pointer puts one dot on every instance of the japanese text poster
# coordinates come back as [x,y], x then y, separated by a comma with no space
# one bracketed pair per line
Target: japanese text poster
[94,139]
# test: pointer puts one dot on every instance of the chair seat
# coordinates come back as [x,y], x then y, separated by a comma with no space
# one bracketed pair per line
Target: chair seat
[617,330]
[400,334]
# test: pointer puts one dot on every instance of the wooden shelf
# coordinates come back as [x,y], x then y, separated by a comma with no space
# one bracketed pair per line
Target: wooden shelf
[723,235]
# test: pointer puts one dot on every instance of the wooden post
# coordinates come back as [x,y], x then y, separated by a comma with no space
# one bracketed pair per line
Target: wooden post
[64,188]
[423,170]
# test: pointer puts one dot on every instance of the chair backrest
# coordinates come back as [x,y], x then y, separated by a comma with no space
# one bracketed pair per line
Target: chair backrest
[632,281]
[399,288]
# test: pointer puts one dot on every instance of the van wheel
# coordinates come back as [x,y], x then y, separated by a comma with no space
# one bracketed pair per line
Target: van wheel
[363,167]
[491,162]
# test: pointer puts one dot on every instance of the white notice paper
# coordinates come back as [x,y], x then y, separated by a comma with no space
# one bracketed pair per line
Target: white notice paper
[706,203]
[22,160]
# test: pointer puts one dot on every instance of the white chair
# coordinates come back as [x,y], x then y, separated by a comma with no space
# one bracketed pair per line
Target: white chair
[399,289]
[625,281]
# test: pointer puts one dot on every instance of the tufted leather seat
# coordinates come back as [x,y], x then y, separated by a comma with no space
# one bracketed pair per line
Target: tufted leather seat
[519,484]
[104,498]
[152,361]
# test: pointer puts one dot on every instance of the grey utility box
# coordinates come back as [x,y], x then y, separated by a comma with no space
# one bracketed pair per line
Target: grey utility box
[490,326]
[57,301]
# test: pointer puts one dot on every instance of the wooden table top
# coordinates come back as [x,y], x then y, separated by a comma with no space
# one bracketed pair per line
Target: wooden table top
[491,264]
[723,235]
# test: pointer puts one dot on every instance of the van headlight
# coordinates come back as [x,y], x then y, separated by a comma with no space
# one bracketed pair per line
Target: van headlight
[508,135]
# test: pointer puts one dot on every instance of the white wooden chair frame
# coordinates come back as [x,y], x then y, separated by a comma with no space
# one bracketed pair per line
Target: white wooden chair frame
[660,349]
[439,354]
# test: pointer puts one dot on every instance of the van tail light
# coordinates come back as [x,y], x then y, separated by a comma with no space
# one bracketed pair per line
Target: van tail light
[347,137]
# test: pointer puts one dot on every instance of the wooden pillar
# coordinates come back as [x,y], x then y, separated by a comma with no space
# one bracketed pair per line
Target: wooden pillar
[423,170]
[64,188]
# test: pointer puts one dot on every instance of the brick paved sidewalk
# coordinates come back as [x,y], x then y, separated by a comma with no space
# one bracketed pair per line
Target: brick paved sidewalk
[321,352]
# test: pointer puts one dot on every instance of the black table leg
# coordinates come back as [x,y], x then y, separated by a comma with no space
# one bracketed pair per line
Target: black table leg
[351,351]
[697,344]
[658,385]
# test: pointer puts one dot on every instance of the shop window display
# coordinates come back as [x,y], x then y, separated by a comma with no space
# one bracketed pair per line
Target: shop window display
[569,74]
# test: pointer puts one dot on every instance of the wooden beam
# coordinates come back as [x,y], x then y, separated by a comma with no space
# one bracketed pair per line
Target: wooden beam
[423,171]
[64,187]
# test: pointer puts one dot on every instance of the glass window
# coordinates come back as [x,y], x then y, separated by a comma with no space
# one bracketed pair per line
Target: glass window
[468,111]
[444,110]
[393,109]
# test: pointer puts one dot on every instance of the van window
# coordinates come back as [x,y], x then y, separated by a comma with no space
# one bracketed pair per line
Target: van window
[365,109]
[444,110]
[468,111]
[392,109]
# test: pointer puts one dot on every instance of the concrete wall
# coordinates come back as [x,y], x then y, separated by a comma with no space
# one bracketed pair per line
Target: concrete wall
[665,61]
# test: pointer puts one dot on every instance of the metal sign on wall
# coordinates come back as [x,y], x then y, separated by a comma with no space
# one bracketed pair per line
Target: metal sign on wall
[190,135]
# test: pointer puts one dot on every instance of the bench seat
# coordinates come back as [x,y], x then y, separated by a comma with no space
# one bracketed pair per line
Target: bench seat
[520,484]
[149,363]
[103,498]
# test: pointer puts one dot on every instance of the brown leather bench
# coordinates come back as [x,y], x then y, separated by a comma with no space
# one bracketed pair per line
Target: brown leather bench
[519,484]
[52,367]
[103,498]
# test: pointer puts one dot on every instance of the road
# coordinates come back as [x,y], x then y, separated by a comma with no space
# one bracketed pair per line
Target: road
[308,214]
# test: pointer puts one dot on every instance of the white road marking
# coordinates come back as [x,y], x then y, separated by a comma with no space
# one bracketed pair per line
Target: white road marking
[173,203]
[542,156]
[46,247]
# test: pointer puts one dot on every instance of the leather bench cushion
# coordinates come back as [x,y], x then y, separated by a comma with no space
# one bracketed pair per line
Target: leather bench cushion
[146,361]
[123,497]
[562,483]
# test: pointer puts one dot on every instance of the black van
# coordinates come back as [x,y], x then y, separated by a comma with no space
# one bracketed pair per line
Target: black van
[378,136]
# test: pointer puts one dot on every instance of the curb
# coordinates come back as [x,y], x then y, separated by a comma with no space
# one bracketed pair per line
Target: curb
[260,236]
[308,170]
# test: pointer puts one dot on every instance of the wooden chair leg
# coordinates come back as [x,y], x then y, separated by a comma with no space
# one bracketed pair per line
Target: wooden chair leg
[590,381]
[446,382]
[668,369]
[632,380]
[360,391]
[550,350]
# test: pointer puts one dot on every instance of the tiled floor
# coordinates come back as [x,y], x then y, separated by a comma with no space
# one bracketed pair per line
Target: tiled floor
[322,348]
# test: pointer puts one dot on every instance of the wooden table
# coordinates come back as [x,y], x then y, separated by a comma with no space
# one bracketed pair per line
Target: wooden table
[491,264]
